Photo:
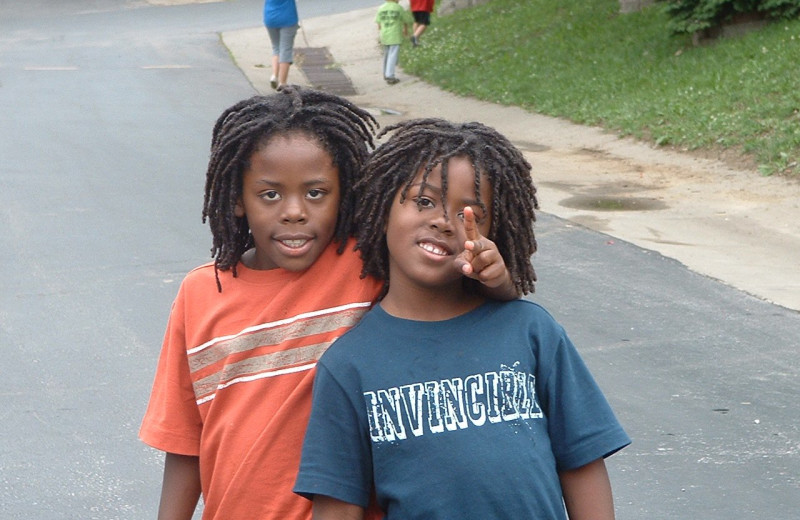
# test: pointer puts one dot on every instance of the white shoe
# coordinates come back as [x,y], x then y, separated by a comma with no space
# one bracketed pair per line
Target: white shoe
[273,82]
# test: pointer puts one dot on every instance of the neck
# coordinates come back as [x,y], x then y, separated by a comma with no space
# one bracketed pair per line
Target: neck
[429,304]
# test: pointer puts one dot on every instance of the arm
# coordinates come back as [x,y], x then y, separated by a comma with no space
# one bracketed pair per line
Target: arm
[180,490]
[482,261]
[587,492]
[327,508]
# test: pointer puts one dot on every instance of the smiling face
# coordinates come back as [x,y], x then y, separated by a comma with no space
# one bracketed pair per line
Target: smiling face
[423,242]
[290,197]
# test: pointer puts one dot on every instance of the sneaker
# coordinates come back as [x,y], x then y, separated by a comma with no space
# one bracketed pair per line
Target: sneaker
[273,82]
[414,41]
[392,81]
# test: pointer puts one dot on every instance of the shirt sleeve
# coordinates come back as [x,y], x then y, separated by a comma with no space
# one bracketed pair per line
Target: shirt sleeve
[581,423]
[336,459]
[172,421]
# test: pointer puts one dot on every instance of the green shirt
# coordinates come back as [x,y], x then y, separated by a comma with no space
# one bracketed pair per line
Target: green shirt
[391,18]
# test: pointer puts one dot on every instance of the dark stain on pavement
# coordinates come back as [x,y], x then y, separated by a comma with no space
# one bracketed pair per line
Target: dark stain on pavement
[322,72]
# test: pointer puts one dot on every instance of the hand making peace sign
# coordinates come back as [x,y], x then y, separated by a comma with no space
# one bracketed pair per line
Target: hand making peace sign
[482,261]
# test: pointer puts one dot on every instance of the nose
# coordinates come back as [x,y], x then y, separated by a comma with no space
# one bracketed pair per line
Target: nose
[443,223]
[294,210]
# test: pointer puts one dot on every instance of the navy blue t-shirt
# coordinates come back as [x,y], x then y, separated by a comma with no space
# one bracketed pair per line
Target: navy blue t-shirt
[470,417]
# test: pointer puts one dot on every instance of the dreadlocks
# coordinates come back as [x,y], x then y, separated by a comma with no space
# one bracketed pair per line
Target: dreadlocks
[341,128]
[419,146]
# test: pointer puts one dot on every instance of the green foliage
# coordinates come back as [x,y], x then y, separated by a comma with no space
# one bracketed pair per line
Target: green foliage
[690,16]
[781,9]
[585,62]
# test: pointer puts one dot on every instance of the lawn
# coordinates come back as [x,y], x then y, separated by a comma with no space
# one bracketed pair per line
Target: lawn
[735,97]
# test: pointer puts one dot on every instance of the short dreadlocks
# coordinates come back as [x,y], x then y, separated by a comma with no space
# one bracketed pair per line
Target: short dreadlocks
[341,128]
[419,146]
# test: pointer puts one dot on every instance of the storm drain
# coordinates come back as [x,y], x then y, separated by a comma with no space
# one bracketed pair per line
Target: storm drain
[318,66]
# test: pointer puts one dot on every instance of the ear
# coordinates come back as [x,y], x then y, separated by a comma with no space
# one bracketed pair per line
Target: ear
[238,209]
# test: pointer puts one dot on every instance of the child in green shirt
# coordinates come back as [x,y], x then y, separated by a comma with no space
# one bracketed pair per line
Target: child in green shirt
[393,22]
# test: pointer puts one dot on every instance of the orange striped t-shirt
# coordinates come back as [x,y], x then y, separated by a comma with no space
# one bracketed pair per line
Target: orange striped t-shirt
[233,383]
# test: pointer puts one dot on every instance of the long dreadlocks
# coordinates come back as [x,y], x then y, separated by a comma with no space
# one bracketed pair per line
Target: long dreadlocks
[341,128]
[419,146]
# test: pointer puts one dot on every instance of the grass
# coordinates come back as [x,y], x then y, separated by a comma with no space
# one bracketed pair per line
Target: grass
[736,98]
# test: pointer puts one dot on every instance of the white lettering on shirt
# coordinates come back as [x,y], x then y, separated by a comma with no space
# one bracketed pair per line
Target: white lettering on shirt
[451,404]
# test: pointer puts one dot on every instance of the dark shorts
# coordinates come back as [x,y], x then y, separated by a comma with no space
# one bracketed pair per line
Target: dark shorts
[422,17]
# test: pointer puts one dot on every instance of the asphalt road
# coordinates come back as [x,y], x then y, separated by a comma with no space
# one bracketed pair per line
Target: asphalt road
[107,108]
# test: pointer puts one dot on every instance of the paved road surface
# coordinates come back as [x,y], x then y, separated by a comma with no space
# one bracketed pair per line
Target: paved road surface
[107,111]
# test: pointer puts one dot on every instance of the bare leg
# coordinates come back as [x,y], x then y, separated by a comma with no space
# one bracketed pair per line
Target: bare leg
[273,81]
[418,30]
[283,73]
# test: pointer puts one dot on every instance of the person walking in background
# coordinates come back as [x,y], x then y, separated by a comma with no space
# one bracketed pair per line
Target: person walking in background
[281,21]
[393,22]
[421,9]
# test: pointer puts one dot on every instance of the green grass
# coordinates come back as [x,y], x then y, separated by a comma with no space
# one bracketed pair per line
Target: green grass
[583,61]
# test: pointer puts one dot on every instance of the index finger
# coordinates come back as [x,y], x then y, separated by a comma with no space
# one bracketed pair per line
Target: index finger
[470,227]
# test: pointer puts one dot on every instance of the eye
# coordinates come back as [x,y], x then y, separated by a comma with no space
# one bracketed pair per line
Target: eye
[270,195]
[423,203]
[315,194]
[480,215]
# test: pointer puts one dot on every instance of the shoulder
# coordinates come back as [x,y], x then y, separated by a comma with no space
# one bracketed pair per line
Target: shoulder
[520,307]
[374,323]
[528,316]
[199,286]
[358,343]
[201,282]
[200,276]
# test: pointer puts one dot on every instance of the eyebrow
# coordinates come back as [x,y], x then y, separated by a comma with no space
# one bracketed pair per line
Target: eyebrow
[312,182]
[424,185]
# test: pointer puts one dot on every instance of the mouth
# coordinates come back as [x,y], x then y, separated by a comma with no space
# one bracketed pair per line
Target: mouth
[434,248]
[294,245]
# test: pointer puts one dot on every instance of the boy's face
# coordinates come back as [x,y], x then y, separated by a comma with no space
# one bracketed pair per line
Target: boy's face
[290,196]
[422,242]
